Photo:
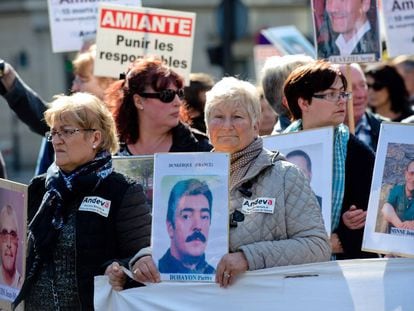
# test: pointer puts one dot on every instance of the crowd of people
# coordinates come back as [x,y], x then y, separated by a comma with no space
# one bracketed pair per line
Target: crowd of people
[149,110]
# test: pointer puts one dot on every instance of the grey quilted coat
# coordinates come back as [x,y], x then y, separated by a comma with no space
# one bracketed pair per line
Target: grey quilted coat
[294,233]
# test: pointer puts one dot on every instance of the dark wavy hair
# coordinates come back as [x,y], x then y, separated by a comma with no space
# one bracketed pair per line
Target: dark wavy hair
[149,71]
[307,80]
[389,77]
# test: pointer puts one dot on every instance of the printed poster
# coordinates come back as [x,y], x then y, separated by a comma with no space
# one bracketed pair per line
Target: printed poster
[389,228]
[347,31]
[126,34]
[139,168]
[13,219]
[190,214]
[290,40]
[312,151]
[73,22]
[399,26]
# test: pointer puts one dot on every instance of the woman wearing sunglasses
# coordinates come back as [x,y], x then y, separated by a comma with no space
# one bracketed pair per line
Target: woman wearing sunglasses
[316,97]
[387,94]
[147,119]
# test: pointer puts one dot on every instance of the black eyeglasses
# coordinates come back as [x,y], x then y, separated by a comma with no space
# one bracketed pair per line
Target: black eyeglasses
[166,96]
[334,96]
[65,133]
[376,86]
[4,234]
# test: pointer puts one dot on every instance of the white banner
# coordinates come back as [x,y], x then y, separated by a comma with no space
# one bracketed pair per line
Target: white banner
[368,284]
[72,23]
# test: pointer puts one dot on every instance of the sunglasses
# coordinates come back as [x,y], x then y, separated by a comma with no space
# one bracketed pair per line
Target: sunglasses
[166,96]
[376,86]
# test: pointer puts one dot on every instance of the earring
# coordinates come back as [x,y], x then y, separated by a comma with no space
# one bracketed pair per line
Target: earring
[93,147]
[140,107]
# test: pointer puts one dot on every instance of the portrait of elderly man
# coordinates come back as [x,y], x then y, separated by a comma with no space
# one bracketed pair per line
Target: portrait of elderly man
[188,224]
[399,208]
[352,26]
[9,243]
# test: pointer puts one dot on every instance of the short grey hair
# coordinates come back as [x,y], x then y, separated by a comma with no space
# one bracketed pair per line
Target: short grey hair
[230,90]
[274,74]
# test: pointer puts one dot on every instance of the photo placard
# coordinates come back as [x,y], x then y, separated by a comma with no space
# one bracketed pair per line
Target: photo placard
[312,151]
[347,32]
[139,168]
[190,226]
[13,220]
[389,227]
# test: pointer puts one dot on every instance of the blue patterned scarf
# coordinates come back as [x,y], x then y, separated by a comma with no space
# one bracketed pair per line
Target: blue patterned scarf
[341,137]
[60,187]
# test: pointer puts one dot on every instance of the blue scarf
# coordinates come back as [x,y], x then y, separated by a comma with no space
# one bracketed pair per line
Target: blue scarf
[341,137]
[60,187]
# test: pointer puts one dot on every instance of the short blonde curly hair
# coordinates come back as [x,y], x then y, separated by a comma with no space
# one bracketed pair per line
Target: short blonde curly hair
[88,112]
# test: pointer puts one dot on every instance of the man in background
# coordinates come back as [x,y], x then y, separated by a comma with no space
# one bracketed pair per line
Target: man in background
[367,124]
[274,73]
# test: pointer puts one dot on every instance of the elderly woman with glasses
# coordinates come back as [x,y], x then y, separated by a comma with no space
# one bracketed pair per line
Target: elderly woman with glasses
[148,101]
[288,232]
[316,97]
[84,218]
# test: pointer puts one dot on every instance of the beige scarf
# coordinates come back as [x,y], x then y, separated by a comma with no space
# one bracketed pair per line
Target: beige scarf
[241,161]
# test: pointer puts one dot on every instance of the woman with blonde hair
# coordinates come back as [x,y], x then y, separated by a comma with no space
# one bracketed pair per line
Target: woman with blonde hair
[84,218]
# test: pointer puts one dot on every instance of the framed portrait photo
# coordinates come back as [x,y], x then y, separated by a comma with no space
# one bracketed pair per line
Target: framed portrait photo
[347,31]
[190,225]
[389,227]
[13,219]
[140,168]
[312,151]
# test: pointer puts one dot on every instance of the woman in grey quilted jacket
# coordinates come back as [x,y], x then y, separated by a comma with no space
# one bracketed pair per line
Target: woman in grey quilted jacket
[286,228]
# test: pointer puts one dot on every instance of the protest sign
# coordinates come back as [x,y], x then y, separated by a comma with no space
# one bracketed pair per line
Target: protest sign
[261,52]
[310,150]
[344,285]
[190,225]
[347,32]
[13,220]
[389,227]
[125,35]
[139,168]
[399,24]
[73,22]
[289,40]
